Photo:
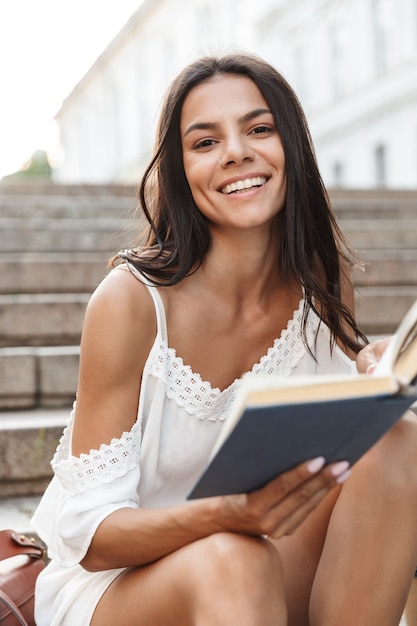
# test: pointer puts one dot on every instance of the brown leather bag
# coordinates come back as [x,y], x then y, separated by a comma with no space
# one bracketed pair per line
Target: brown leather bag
[21,560]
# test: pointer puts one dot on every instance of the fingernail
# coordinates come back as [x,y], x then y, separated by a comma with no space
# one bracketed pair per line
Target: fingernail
[342,477]
[316,464]
[370,368]
[339,468]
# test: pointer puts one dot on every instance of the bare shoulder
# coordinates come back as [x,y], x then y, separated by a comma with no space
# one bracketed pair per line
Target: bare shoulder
[121,317]
[118,334]
[121,289]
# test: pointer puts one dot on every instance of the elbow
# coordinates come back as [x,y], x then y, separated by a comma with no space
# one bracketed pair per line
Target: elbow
[91,567]
[93,563]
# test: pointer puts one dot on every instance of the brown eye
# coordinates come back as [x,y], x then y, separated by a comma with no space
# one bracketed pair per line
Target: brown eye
[259,130]
[204,143]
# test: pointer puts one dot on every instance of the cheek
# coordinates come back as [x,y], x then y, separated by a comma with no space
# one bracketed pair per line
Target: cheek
[197,177]
[195,186]
[189,170]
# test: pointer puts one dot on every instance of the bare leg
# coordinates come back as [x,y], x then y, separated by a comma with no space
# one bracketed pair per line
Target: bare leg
[411,606]
[370,552]
[300,554]
[351,562]
[223,579]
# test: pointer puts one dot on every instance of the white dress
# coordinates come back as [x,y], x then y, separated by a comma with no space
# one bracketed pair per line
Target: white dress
[155,464]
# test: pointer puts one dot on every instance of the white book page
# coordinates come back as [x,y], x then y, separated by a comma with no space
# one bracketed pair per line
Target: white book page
[385,367]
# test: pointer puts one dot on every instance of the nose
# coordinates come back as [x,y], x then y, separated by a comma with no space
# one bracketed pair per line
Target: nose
[235,152]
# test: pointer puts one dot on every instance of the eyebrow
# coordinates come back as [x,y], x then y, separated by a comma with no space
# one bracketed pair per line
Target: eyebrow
[215,125]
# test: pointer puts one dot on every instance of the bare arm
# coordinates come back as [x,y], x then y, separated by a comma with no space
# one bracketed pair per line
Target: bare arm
[133,537]
[118,333]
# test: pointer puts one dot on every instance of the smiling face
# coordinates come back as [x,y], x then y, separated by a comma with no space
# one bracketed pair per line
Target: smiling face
[233,155]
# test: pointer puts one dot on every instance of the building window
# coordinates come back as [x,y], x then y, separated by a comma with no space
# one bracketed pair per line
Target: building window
[302,74]
[338,174]
[382,22]
[381,165]
[337,58]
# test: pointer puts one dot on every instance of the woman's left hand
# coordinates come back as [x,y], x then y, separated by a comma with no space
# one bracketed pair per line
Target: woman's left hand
[369,356]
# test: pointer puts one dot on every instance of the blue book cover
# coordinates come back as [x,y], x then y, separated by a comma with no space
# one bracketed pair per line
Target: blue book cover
[268,440]
[278,423]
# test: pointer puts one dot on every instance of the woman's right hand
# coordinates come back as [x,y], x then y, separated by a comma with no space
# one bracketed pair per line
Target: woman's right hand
[132,537]
[283,504]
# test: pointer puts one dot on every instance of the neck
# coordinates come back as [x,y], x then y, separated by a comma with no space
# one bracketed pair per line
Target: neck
[242,268]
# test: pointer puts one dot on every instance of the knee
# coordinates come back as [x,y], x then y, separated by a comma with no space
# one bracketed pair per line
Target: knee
[243,574]
[250,563]
[392,462]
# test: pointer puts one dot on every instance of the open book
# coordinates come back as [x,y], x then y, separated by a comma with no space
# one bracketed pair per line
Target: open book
[278,422]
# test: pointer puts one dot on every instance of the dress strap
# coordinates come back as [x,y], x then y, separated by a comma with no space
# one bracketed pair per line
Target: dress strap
[156,297]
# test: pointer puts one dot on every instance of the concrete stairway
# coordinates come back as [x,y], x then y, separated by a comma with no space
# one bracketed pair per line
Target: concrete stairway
[55,242]
[382,227]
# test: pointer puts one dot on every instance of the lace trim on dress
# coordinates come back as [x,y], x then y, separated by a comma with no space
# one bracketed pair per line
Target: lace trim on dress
[88,471]
[199,398]
[188,389]
[286,352]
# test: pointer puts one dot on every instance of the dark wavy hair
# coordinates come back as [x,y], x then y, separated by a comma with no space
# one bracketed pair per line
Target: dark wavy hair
[178,235]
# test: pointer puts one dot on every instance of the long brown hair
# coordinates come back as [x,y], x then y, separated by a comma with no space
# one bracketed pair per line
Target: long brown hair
[178,235]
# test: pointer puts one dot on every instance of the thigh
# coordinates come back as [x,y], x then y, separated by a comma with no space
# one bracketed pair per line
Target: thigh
[300,555]
[224,574]
[146,596]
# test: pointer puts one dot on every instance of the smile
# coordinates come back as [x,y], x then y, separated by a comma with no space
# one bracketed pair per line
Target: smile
[243,185]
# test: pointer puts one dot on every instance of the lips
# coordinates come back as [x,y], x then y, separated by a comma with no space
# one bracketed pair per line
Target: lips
[243,185]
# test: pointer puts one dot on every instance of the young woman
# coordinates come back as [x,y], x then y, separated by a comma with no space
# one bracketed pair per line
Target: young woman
[242,272]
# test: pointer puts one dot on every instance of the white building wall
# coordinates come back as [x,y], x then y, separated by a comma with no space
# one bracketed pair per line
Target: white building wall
[353,64]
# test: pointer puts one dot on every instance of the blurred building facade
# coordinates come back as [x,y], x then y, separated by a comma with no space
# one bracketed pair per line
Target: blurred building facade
[353,64]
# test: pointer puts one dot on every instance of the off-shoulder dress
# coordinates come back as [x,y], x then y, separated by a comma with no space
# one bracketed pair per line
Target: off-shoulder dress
[155,464]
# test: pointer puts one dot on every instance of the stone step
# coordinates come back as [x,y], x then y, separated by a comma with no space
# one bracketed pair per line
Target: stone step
[28,440]
[82,271]
[47,376]
[16,512]
[383,234]
[46,199]
[56,319]
[374,203]
[64,235]
[396,267]
[50,200]
[52,272]
[109,234]
[379,310]
[38,377]
[41,319]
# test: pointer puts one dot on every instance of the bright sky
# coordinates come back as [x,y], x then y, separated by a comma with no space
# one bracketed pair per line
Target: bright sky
[46,46]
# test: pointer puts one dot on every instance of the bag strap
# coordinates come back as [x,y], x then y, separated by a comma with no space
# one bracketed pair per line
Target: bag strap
[13,608]
[12,544]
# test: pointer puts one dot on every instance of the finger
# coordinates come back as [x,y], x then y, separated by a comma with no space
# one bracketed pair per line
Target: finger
[252,510]
[289,524]
[287,514]
[284,484]
[369,356]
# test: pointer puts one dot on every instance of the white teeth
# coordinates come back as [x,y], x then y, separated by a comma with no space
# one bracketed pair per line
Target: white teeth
[239,185]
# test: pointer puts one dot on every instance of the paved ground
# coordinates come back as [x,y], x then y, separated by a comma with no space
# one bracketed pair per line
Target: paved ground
[15,513]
